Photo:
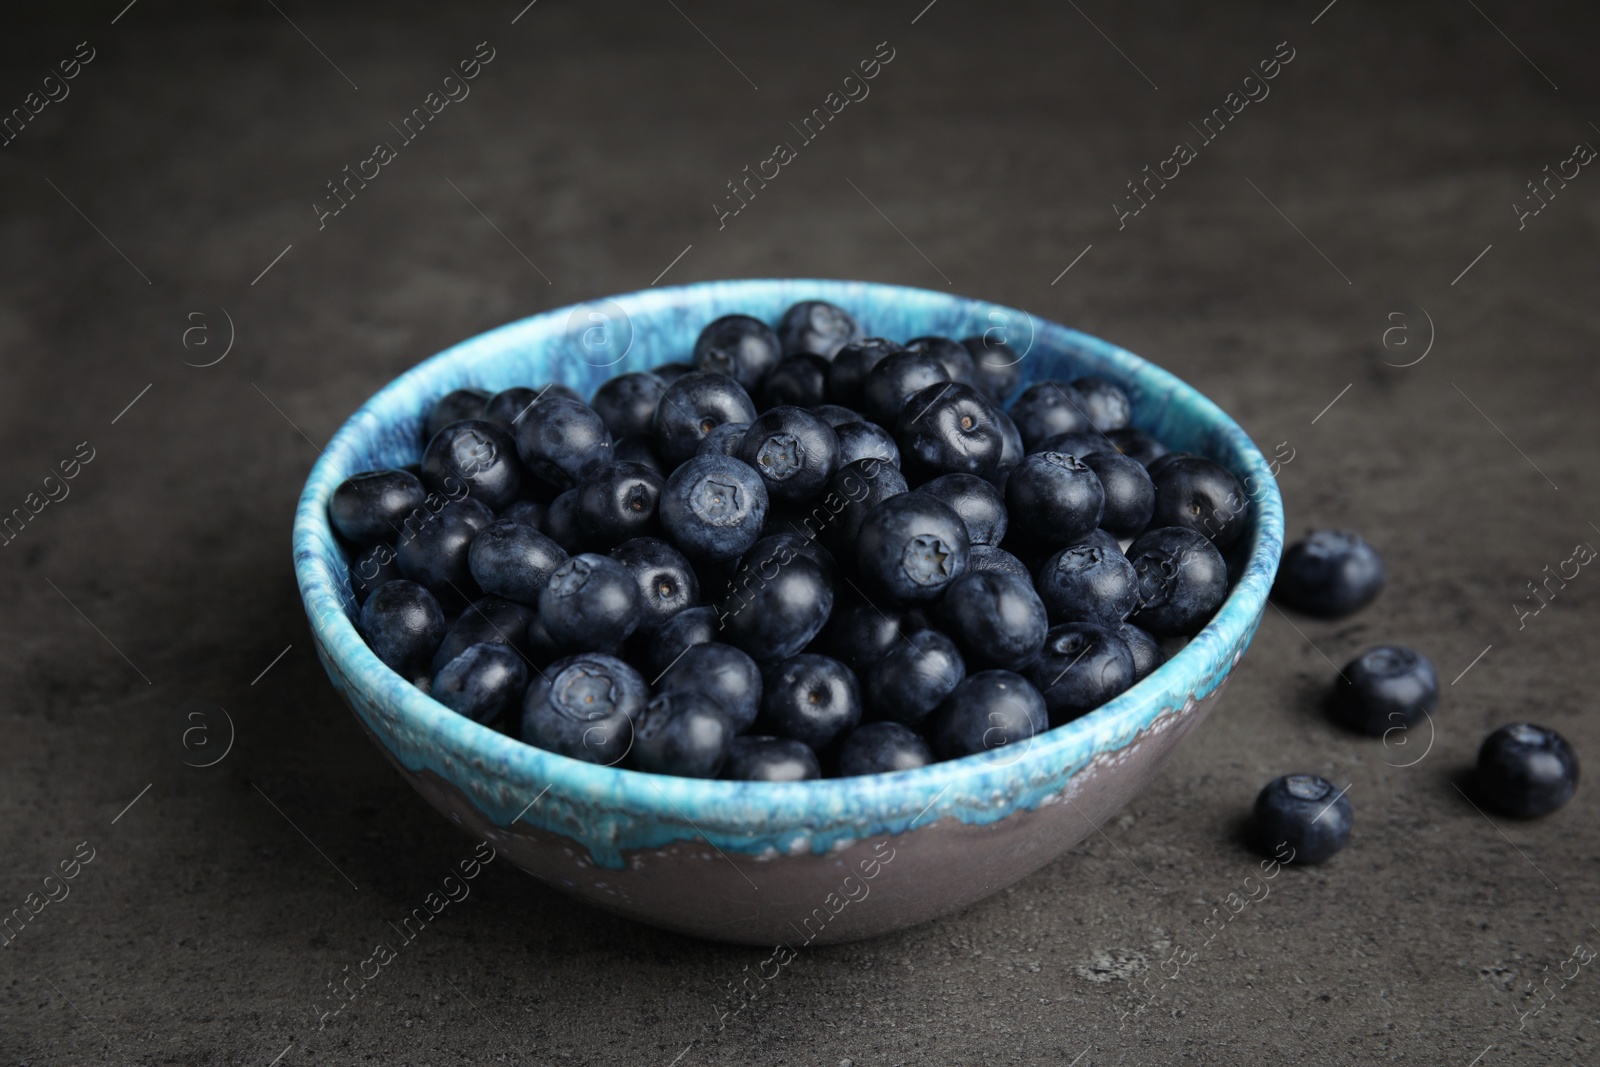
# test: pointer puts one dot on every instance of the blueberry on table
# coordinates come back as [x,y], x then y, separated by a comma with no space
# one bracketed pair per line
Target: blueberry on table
[1307,814]
[618,502]
[856,491]
[1048,408]
[691,626]
[1331,574]
[799,380]
[584,706]
[986,559]
[847,374]
[988,712]
[981,506]
[810,698]
[1104,403]
[952,354]
[1385,688]
[453,407]
[996,618]
[562,441]
[1091,581]
[913,678]
[403,624]
[507,408]
[793,451]
[370,568]
[590,602]
[896,379]
[512,559]
[739,346]
[694,405]
[713,507]
[949,428]
[770,759]
[1130,494]
[774,615]
[627,403]
[911,547]
[1147,654]
[436,553]
[666,582]
[1137,445]
[724,440]
[1080,667]
[487,620]
[1526,770]
[1055,497]
[682,732]
[1201,495]
[1182,581]
[818,327]
[882,748]
[371,507]
[996,366]
[482,683]
[723,673]
[866,440]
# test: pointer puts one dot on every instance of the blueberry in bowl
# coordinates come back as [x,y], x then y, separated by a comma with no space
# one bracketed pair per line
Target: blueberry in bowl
[738,844]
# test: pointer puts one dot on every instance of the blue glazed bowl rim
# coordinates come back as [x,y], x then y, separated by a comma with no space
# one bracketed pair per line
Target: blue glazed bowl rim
[979,788]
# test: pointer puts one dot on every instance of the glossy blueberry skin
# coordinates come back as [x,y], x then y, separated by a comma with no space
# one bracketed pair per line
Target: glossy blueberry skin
[866,440]
[1048,408]
[476,453]
[1147,654]
[1305,813]
[857,490]
[882,748]
[513,560]
[528,512]
[776,550]
[724,673]
[987,559]
[694,405]
[949,428]
[1055,497]
[666,582]
[911,547]
[981,506]
[436,554]
[896,379]
[618,502]
[952,354]
[997,619]
[453,407]
[1526,771]
[370,568]
[483,683]
[627,403]
[489,620]
[591,602]
[691,626]
[370,507]
[797,380]
[818,327]
[1384,688]
[1331,574]
[584,706]
[1160,463]
[403,624]
[836,415]
[1130,494]
[847,374]
[987,712]
[809,698]
[996,367]
[1011,450]
[775,618]
[859,635]
[770,759]
[561,522]
[908,683]
[508,407]
[671,372]
[793,451]
[741,347]
[1104,403]
[1077,444]
[1136,444]
[713,507]
[1182,581]
[724,440]
[562,441]
[1091,581]
[1201,495]
[683,732]
[638,448]
[1081,667]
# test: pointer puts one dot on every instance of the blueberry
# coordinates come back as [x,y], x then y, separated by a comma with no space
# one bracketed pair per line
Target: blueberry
[691,626]
[1308,814]
[919,672]
[949,428]
[911,547]
[1011,449]
[562,441]
[1331,574]
[584,706]
[896,379]
[773,618]
[403,624]
[776,550]
[507,408]
[953,355]
[638,448]
[436,554]
[513,560]
[671,372]
[724,440]
[478,454]
[713,507]
[371,568]
[1105,404]
[996,367]
[997,619]
[988,712]
[882,748]
[1159,463]
[1385,688]
[794,452]
[810,698]
[739,346]
[627,403]
[859,634]
[986,559]
[683,732]
[1182,580]
[1202,496]
[981,506]
[866,440]
[1526,771]
[618,502]
[836,415]
[561,522]
[799,380]
[818,327]
[725,674]
[693,406]
[770,759]
[1091,581]
[483,683]
[370,507]
[847,374]
[666,582]
[1147,654]
[1081,667]
[1074,443]
[1048,408]
[528,512]
[1055,497]
[1136,444]
[856,491]
[1130,494]
[488,620]
[453,407]
[590,602]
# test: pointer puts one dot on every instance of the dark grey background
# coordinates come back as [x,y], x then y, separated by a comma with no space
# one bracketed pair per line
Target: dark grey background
[596,141]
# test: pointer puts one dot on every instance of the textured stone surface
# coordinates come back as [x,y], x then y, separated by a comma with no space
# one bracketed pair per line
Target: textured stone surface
[197,140]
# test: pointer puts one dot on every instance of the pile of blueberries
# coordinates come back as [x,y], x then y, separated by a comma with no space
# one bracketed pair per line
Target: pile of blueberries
[806,551]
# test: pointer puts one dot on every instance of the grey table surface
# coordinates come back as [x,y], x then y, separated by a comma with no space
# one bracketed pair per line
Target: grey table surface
[1360,216]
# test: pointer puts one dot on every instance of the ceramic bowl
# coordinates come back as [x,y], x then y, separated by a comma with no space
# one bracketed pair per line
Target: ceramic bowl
[793,863]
